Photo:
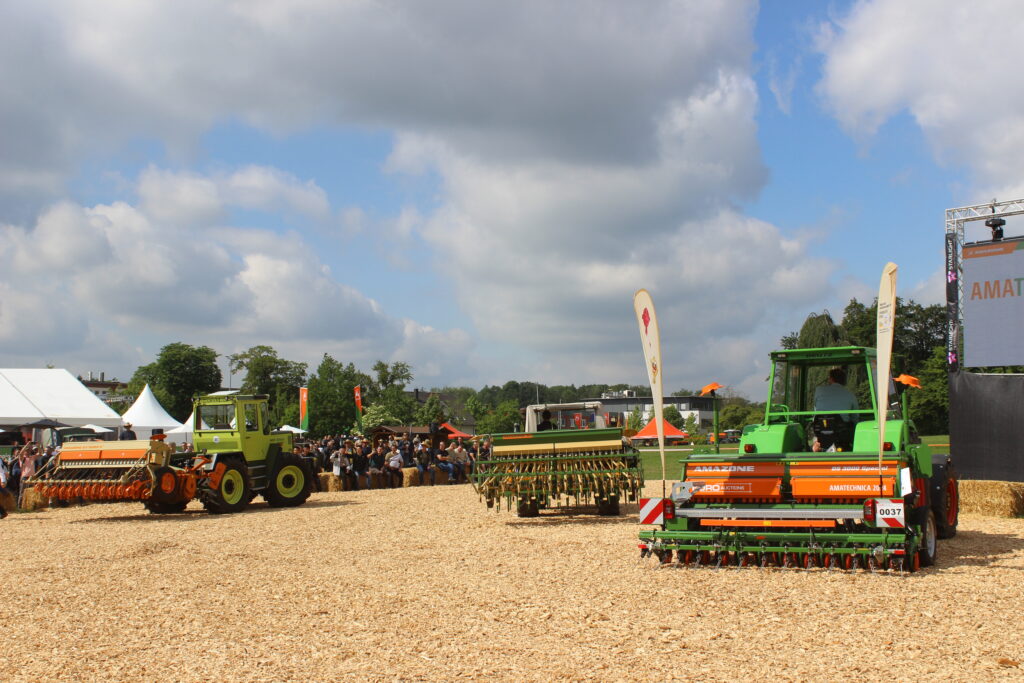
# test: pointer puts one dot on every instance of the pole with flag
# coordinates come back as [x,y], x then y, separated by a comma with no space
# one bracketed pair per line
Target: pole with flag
[304,408]
[358,391]
[885,326]
[643,306]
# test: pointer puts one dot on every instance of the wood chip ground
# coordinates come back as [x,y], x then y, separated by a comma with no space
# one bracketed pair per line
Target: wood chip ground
[427,584]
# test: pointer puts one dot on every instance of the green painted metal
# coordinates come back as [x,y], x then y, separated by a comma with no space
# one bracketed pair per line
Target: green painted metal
[605,473]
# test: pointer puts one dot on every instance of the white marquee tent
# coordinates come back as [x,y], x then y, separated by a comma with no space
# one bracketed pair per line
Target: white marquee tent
[183,433]
[29,394]
[146,414]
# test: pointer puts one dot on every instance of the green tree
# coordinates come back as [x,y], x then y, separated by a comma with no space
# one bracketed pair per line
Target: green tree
[740,414]
[377,415]
[929,405]
[433,410]
[690,425]
[501,419]
[332,407]
[673,416]
[388,391]
[267,373]
[179,374]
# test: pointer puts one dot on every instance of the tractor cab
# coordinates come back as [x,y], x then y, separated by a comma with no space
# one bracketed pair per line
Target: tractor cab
[820,400]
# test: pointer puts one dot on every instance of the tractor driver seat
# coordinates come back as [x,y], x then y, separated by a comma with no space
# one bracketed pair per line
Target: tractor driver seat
[832,430]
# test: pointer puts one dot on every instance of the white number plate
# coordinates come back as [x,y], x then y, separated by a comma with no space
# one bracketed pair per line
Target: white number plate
[889,512]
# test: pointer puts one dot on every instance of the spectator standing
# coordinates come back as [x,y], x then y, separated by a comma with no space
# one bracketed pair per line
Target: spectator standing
[3,486]
[393,467]
[27,461]
[128,434]
[339,462]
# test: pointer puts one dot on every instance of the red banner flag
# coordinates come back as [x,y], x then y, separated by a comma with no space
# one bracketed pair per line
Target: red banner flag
[303,408]
[359,398]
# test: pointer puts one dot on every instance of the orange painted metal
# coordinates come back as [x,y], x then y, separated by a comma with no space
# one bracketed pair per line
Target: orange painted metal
[843,468]
[216,475]
[102,450]
[739,488]
[841,487]
[734,469]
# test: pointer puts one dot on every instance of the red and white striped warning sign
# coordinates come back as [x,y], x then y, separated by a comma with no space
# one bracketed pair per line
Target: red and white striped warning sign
[652,511]
[890,512]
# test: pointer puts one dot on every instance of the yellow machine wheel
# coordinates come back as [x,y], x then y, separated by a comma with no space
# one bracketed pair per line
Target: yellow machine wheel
[290,483]
[232,492]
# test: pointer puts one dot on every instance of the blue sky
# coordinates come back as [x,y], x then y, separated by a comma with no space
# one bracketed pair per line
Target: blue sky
[479,188]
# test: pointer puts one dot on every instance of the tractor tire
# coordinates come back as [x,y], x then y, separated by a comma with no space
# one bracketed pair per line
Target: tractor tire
[945,498]
[233,492]
[158,508]
[929,547]
[609,507]
[528,508]
[166,488]
[290,484]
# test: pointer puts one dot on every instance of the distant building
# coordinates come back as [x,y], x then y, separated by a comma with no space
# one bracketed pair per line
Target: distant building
[618,407]
[106,389]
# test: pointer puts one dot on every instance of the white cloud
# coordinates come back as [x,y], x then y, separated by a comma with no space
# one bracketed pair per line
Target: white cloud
[950,64]
[83,275]
[582,150]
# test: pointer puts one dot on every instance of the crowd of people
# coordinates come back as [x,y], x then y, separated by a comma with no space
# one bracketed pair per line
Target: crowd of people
[355,459]
[22,464]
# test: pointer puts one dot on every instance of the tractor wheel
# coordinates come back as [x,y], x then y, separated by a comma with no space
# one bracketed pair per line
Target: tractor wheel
[929,547]
[165,490]
[945,496]
[947,507]
[289,485]
[609,507]
[233,492]
[528,508]
[158,508]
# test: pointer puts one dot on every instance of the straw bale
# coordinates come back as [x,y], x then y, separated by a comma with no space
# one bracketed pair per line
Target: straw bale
[410,477]
[329,482]
[992,498]
[426,583]
[32,500]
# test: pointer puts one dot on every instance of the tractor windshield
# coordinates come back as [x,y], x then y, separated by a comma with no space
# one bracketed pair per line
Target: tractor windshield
[806,387]
[218,416]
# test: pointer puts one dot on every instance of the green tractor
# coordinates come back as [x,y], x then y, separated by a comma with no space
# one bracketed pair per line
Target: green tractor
[245,457]
[237,457]
[808,488]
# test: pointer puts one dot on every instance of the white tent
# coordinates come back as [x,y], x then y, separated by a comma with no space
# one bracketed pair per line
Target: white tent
[293,430]
[98,429]
[183,433]
[146,414]
[29,395]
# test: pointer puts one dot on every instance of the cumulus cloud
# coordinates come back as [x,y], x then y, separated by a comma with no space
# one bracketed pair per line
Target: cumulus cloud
[581,150]
[948,64]
[82,275]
